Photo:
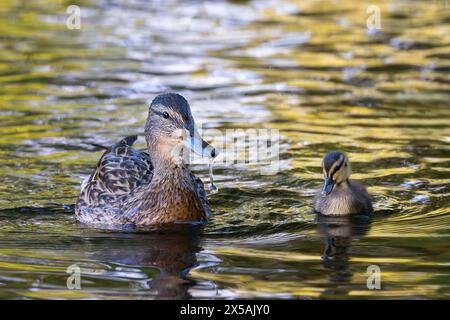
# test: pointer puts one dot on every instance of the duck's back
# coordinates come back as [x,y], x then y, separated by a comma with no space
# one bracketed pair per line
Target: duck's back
[363,197]
[120,170]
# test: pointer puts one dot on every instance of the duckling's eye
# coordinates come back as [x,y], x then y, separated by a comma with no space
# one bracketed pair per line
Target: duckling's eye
[165,115]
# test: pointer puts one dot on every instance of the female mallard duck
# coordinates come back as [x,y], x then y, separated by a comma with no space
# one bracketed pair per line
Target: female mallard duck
[340,195]
[132,187]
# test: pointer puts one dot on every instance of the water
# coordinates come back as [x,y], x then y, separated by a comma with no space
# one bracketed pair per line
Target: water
[212,187]
[311,70]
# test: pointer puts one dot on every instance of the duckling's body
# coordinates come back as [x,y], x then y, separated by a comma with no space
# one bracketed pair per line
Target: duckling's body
[348,198]
[133,187]
[340,195]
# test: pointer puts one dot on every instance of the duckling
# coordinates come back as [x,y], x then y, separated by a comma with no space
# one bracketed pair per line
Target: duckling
[138,188]
[340,195]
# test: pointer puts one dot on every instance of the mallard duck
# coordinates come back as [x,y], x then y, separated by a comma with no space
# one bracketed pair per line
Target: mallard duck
[340,195]
[138,188]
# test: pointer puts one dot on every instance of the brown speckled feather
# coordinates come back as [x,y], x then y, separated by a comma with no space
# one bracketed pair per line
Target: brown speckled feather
[202,194]
[184,199]
[120,170]
[122,190]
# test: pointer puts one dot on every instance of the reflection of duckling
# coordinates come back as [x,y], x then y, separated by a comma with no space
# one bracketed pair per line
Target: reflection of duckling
[338,233]
[139,188]
[340,195]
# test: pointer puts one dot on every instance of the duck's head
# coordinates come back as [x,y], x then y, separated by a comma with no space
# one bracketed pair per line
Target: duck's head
[336,169]
[170,130]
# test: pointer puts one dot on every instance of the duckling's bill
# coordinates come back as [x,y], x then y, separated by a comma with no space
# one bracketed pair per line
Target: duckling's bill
[327,186]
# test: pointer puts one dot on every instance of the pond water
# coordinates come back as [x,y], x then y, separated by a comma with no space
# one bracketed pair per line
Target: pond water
[312,70]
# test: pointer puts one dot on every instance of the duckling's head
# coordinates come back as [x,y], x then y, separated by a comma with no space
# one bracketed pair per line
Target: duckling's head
[170,129]
[336,169]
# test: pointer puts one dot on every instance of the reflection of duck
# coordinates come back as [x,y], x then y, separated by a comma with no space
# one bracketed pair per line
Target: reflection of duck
[139,188]
[172,252]
[340,195]
[338,233]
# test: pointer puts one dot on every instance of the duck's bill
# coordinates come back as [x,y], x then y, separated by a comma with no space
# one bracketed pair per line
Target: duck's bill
[327,186]
[200,146]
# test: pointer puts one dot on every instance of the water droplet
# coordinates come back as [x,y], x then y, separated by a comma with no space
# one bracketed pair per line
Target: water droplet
[212,188]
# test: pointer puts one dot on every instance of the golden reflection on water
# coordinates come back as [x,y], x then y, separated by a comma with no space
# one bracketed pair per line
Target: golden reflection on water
[310,69]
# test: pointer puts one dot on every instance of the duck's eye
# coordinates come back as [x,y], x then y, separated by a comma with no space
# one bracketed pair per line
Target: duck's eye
[165,115]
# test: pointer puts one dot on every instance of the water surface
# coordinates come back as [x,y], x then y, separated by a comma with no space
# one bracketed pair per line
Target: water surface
[309,69]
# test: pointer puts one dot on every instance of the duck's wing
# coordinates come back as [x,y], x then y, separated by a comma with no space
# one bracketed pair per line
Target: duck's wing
[202,195]
[120,170]
[362,196]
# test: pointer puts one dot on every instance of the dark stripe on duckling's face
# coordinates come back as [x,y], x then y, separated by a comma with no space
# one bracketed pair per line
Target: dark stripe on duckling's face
[330,160]
[333,164]
[337,166]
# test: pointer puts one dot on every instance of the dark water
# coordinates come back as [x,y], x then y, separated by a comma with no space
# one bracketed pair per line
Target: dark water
[310,69]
